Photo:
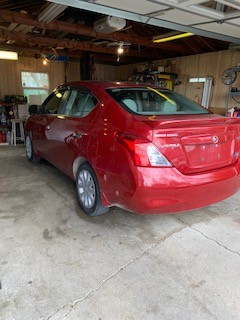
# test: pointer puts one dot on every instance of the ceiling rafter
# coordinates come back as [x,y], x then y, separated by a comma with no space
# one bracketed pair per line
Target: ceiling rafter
[84,30]
[24,51]
[72,45]
[75,27]
[206,43]
[36,53]
[190,45]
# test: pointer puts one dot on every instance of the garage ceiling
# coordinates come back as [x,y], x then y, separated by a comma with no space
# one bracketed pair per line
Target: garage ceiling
[65,28]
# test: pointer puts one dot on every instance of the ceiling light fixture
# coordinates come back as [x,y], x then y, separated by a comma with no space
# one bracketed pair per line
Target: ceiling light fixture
[120,50]
[170,37]
[8,55]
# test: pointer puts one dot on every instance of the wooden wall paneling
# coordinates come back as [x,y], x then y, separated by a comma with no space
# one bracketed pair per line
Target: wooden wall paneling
[10,75]
[212,64]
[105,72]
[202,65]
[208,64]
[223,61]
[8,79]
[194,91]
[236,62]
[122,73]
[235,59]
[220,90]
[125,72]
[73,72]
[56,74]
[54,69]
[180,70]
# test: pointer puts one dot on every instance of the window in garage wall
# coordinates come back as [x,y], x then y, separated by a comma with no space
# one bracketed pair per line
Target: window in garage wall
[35,86]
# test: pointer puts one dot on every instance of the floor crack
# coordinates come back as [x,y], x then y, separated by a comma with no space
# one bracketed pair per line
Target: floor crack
[218,243]
[205,236]
[71,305]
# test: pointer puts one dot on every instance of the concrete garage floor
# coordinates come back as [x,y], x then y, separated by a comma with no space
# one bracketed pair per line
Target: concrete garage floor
[56,263]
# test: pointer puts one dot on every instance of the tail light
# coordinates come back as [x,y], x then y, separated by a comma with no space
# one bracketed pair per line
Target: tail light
[143,152]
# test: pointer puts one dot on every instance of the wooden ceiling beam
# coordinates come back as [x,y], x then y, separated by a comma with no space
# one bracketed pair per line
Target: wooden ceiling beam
[207,43]
[33,50]
[192,47]
[84,30]
[69,44]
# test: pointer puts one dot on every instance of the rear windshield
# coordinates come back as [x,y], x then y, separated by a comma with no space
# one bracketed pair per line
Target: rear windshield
[155,101]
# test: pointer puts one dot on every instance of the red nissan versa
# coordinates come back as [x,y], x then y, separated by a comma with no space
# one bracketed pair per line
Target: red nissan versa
[141,148]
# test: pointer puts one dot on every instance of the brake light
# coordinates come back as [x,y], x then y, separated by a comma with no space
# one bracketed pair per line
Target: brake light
[143,152]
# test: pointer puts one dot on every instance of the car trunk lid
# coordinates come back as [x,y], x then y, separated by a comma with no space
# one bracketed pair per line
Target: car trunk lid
[198,143]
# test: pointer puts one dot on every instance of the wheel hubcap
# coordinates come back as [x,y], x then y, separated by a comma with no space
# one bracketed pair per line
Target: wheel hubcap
[86,188]
[28,147]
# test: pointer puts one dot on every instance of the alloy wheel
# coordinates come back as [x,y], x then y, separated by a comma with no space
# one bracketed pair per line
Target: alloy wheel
[28,145]
[86,189]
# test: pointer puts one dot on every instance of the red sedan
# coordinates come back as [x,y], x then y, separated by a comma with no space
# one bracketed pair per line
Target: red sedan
[141,148]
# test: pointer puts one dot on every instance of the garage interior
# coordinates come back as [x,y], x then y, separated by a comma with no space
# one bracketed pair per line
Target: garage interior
[57,263]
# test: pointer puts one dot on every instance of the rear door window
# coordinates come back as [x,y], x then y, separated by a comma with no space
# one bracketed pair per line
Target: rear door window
[80,103]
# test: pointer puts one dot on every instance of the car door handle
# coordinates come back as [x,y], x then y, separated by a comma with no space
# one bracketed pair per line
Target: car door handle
[78,135]
[47,127]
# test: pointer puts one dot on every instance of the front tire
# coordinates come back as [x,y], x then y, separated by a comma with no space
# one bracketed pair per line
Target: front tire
[88,191]
[29,149]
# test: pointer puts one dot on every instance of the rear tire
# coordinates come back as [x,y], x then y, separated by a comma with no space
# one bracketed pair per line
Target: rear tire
[88,191]
[29,150]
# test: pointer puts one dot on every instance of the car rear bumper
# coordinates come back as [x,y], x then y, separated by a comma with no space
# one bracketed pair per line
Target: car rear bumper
[168,191]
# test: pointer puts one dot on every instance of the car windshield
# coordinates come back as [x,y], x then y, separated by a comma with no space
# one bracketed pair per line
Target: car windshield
[155,101]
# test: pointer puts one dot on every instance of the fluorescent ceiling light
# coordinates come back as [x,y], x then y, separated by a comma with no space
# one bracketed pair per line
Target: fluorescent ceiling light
[171,37]
[8,55]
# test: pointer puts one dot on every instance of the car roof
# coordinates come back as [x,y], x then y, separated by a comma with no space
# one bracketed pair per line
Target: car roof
[104,84]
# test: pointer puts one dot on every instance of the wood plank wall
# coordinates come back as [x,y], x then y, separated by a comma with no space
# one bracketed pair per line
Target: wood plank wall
[209,65]
[202,65]
[73,72]
[105,72]
[10,74]
[59,72]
